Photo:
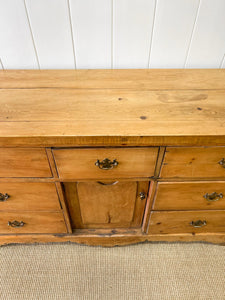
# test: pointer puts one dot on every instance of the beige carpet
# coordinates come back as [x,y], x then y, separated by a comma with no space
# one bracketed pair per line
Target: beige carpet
[155,271]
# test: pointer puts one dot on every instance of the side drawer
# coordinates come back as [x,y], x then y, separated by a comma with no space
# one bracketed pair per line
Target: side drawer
[194,162]
[173,222]
[24,162]
[190,195]
[31,222]
[27,196]
[92,164]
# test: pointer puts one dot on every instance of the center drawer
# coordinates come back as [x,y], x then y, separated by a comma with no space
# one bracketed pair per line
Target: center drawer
[100,163]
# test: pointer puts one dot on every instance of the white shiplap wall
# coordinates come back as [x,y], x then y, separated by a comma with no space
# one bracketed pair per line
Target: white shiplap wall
[54,34]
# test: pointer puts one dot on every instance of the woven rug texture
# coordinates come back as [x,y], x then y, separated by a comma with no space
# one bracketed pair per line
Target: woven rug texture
[154,271]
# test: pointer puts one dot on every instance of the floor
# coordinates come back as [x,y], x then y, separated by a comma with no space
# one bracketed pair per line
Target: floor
[156,271]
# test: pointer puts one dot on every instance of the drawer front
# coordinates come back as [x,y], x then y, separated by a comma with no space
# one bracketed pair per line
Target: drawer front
[92,164]
[194,162]
[187,222]
[189,195]
[24,196]
[21,162]
[41,222]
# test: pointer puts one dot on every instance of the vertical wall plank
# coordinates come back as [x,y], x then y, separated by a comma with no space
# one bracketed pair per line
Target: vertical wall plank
[223,63]
[51,29]
[91,22]
[132,29]
[174,22]
[208,44]
[16,46]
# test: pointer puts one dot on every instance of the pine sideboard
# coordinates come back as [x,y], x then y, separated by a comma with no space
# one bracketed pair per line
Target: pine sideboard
[112,157]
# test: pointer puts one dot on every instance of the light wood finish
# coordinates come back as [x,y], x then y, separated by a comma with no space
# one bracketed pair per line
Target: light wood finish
[64,207]
[147,107]
[110,239]
[80,163]
[188,195]
[41,222]
[106,204]
[149,79]
[150,114]
[54,125]
[140,205]
[112,106]
[173,222]
[159,161]
[73,204]
[151,193]
[102,141]
[193,162]
[51,162]
[26,196]
[23,162]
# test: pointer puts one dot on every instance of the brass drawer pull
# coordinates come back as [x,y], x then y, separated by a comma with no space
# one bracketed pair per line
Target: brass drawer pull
[110,183]
[222,162]
[106,164]
[198,224]
[16,224]
[3,197]
[213,197]
[142,195]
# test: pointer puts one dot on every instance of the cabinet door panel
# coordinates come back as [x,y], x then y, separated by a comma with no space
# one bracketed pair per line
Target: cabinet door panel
[106,204]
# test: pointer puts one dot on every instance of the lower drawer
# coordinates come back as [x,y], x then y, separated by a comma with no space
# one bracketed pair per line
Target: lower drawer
[30,222]
[187,222]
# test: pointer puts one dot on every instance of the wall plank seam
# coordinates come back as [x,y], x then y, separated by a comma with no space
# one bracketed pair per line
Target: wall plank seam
[31,33]
[192,34]
[152,33]
[71,32]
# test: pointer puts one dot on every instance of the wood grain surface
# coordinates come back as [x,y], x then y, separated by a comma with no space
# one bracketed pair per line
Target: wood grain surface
[143,79]
[141,118]
[189,195]
[105,204]
[30,196]
[80,163]
[173,222]
[59,107]
[22,162]
[41,222]
[193,162]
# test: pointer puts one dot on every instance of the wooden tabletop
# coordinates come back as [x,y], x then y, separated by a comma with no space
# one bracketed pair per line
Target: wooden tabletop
[115,107]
